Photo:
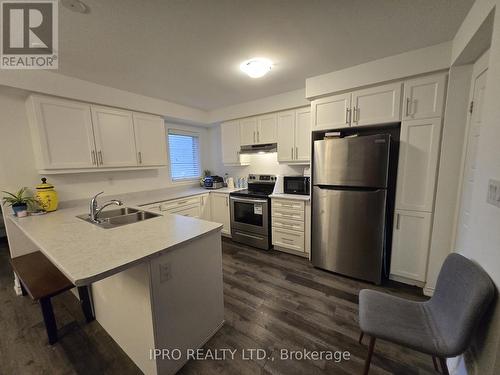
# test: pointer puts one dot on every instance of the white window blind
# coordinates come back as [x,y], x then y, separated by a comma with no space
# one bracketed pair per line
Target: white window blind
[184,150]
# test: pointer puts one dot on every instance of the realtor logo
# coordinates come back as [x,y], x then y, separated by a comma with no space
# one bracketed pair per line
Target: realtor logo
[29,35]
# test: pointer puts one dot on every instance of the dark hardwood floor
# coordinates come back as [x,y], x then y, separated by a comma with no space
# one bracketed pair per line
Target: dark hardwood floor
[273,301]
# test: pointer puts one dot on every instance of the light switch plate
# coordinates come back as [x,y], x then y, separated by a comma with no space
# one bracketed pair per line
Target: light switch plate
[493,193]
[165,272]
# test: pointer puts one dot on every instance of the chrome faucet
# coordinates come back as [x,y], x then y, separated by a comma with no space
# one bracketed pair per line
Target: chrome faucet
[95,210]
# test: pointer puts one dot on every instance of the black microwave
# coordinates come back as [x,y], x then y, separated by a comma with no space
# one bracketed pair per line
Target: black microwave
[296,185]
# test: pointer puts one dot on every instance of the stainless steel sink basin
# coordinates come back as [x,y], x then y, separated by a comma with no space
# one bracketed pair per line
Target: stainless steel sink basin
[117,218]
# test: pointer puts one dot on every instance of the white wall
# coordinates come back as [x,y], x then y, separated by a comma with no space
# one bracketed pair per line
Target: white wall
[17,165]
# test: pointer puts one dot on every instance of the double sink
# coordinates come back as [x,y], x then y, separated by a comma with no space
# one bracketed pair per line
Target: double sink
[118,217]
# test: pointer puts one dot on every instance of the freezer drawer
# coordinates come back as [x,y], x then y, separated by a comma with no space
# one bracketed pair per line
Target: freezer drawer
[348,228]
[358,161]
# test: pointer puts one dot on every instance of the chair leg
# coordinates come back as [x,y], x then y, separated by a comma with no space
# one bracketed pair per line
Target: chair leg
[434,361]
[444,366]
[83,292]
[368,360]
[49,319]
[361,337]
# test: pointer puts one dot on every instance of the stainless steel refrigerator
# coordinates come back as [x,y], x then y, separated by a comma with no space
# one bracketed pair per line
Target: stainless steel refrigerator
[350,179]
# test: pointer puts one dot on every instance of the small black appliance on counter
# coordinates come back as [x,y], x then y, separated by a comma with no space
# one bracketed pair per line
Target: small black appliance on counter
[296,185]
[213,182]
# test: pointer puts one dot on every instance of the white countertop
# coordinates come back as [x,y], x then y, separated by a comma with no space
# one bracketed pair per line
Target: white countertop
[86,253]
[291,196]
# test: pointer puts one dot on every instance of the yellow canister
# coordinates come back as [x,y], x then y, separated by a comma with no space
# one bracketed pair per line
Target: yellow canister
[47,196]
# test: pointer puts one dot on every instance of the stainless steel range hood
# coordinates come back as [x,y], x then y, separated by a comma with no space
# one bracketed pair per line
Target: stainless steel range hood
[258,149]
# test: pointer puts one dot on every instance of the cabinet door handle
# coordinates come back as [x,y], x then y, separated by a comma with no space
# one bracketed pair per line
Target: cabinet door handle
[258,136]
[100,157]
[397,221]
[296,152]
[355,114]
[408,106]
[227,202]
[292,153]
[347,115]
[140,157]
[254,136]
[93,157]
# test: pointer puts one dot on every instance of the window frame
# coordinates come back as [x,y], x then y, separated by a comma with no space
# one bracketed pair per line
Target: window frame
[181,132]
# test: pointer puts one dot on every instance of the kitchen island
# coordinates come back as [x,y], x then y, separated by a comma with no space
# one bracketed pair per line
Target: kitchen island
[155,284]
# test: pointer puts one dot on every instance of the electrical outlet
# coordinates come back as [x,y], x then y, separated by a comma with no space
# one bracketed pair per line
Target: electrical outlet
[494,193]
[165,272]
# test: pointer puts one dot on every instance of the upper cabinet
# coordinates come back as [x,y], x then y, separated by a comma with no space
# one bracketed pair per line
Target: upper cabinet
[231,143]
[114,137]
[376,105]
[424,97]
[331,112]
[372,106]
[69,136]
[294,136]
[258,130]
[150,139]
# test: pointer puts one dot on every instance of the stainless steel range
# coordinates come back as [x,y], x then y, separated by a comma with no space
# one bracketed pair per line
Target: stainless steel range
[251,212]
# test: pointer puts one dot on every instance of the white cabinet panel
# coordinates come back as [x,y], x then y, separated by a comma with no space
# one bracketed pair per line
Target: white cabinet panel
[248,131]
[376,105]
[331,112]
[303,134]
[220,211]
[266,128]
[418,161]
[410,244]
[424,97]
[205,207]
[114,137]
[290,239]
[151,140]
[230,143]
[62,133]
[286,136]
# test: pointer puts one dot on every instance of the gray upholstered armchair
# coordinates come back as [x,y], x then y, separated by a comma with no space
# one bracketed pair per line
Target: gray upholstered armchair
[442,326]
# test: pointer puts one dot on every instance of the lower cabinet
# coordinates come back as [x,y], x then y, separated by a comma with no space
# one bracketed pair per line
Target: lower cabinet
[290,225]
[219,203]
[410,245]
[205,207]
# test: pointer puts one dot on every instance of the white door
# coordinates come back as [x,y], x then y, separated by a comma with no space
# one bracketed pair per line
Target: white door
[248,131]
[469,172]
[424,97]
[205,207]
[286,136]
[230,142]
[331,112]
[303,134]
[220,211]
[410,244]
[64,130]
[151,140]
[417,167]
[266,129]
[376,105]
[114,136]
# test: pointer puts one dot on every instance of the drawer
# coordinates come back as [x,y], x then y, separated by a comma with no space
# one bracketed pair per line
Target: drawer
[279,222]
[288,204]
[192,211]
[288,238]
[287,214]
[183,202]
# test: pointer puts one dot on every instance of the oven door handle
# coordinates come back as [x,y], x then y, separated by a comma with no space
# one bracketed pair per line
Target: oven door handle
[247,200]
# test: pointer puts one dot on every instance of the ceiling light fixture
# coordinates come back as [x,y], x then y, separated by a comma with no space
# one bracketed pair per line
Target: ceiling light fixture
[256,67]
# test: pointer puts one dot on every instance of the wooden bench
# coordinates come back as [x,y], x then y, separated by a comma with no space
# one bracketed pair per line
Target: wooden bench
[42,280]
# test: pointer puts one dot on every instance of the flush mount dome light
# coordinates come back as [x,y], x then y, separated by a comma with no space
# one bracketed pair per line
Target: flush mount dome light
[256,67]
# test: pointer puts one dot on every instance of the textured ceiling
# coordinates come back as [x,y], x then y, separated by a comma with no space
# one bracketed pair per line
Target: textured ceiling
[189,51]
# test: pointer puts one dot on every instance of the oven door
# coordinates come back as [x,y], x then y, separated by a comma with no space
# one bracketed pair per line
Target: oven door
[250,215]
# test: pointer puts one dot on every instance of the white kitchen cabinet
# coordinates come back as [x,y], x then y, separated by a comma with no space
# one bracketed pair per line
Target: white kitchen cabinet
[418,161]
[290,231]
[331,112]
[424,97]
[294,136]
[151,140]
[231,144]
[205,207]
[266,128]
[220,211]
[248,131]
[62,133]
[376,105]
[114,137]
[410,245]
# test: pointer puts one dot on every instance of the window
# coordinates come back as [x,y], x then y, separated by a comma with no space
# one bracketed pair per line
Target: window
[184,150]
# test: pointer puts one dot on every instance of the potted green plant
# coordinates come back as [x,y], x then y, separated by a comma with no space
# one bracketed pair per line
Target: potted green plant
[20,200]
